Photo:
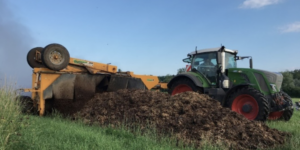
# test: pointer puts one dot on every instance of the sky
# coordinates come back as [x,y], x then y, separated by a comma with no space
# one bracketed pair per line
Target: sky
[149,37]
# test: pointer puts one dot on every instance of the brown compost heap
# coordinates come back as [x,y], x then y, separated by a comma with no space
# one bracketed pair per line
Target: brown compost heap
[189,116]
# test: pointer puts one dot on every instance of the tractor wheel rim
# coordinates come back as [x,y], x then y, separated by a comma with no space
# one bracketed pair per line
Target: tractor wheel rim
[275,115]
[181,88]
[56,57]
[243,100]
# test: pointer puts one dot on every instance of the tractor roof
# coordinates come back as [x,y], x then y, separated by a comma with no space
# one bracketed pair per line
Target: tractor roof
[212,50]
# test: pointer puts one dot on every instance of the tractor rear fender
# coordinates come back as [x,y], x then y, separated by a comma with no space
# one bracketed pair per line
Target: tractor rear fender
[197,82]
[232,89]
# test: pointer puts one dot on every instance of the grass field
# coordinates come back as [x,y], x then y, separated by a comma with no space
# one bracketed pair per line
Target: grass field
[18,131]
[9,115]
[292,126]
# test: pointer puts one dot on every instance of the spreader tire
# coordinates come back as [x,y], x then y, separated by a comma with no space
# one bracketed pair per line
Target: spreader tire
[31,58]
[55,57]
[250,103]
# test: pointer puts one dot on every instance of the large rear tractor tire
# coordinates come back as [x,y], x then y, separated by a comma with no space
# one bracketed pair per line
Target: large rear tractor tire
[283,115]
[250,103]
[31,58]
[55,57]
[182,85]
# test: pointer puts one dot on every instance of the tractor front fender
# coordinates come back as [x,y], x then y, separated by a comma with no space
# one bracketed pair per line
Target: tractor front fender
[197,82]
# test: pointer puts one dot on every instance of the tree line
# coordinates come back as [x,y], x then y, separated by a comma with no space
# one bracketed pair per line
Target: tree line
[168,77]
[291,82]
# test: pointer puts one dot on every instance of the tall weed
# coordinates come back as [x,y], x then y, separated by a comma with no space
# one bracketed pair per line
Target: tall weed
[9,113]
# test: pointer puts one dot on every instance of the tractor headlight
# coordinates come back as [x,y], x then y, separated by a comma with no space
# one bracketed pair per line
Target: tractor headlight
[225,83]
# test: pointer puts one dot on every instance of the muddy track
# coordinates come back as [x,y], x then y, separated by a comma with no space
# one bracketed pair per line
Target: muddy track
[190,116]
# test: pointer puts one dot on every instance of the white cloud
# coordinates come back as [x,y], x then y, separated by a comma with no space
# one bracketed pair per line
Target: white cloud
[258,3]
[293,27]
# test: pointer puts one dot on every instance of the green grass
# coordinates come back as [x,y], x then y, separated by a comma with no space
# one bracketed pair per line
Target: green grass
[9,115]
[44,133]
[57,133]
[18,131]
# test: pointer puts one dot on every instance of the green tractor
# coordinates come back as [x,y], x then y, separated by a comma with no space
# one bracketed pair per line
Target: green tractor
[254,93]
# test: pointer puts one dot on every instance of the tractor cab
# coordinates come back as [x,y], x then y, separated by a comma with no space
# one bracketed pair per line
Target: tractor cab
[211,62]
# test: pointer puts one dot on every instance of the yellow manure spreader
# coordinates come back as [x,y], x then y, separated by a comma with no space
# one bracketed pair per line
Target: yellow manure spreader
[58,76]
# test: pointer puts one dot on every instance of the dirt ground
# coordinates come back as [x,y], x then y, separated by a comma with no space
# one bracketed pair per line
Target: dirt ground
[190,116]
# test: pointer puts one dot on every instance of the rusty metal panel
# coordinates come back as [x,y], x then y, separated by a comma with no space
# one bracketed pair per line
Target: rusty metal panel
[48,93]
[117,83]
[63,87]
[121,82]
[136,83]
[85,85]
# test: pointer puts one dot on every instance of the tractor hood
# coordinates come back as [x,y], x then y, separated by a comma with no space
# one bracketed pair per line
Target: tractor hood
[266,79]
[273,77]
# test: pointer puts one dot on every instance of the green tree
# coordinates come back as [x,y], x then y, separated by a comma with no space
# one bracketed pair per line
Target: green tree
[165,78]
[288,81]
[296,74]
[180,70]
[297,82]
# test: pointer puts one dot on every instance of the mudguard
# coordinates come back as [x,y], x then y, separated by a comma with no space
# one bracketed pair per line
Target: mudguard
[186,75]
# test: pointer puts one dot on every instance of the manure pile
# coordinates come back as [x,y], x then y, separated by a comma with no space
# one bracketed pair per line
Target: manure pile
[190,116]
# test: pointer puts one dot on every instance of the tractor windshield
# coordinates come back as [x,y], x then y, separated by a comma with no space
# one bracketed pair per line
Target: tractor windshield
[230,61]
[206,63]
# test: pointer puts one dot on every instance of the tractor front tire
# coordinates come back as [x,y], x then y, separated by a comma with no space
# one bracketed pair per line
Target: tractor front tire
[287,114]
[55,57]
[182,85]
[250,103]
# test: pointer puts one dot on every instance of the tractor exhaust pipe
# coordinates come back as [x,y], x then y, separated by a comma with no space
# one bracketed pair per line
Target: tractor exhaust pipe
[251,64]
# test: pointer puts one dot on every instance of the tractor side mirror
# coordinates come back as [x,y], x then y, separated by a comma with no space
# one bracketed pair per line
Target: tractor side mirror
[238,58]
[187,60]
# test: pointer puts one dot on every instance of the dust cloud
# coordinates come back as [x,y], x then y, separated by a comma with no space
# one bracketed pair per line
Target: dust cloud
[15,42]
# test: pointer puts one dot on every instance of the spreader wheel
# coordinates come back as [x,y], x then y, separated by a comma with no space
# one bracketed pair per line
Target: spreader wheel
[31,58]
[182,85]
[250,103]
[55,57]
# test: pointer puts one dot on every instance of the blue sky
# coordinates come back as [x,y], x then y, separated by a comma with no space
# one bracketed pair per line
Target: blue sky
[152,37]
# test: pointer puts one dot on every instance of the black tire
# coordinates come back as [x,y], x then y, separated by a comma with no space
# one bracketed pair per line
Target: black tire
[187,83]
[31,58]
[49,103]
[60,52]
[245,95]
[26,104]
[287,114]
